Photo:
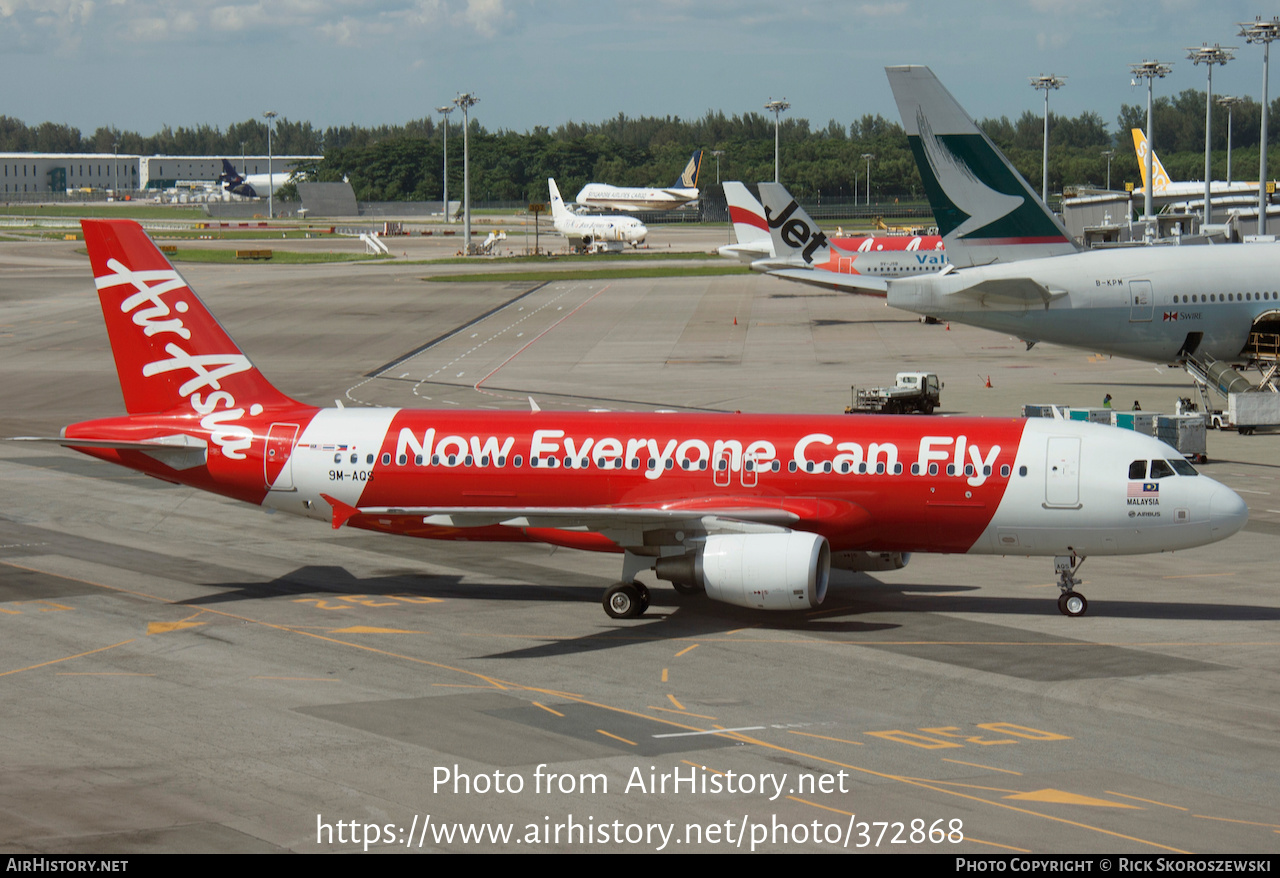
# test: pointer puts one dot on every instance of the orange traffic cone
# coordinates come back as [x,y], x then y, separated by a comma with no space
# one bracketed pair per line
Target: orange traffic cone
[989,382]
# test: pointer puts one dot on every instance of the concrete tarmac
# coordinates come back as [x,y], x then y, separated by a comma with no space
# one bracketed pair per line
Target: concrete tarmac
[183,673]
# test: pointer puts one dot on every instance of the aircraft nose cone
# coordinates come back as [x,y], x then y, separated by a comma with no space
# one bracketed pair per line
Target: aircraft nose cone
[1227,512]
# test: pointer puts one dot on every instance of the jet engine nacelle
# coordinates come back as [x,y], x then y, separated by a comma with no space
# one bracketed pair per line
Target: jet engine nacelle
[777,571]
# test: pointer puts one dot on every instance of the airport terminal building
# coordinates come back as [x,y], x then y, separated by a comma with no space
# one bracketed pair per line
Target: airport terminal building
[31,173]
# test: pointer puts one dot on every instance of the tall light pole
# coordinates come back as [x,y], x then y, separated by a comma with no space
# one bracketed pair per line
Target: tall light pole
[1108,154]
[1046,83]
[445,111]
[717,153]
[1229,102]
[777,108]
[1259,31]
[270,116]
[1149,70]
[1208,56]
[466,101]
[867,157]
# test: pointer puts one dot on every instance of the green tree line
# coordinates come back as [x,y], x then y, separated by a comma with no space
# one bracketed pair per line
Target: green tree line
[405,162]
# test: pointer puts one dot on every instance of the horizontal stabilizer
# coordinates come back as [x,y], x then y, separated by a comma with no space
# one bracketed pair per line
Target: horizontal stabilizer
[859,284]
[179,451]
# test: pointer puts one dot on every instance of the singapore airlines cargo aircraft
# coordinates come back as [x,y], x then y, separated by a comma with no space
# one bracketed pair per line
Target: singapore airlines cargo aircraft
[1026,278]
[679,193]
[752,509]
[583,231]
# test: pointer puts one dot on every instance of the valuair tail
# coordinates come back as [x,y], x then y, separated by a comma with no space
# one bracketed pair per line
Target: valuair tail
[984,208]
[688,178]
[170,352]
[1157,169]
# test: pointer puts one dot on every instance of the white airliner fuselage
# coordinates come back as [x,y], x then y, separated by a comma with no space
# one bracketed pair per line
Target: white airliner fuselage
[628,198]
[1149,303]
[586,231]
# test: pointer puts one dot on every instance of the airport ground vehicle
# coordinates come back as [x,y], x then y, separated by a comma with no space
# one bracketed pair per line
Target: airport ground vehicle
[911,392]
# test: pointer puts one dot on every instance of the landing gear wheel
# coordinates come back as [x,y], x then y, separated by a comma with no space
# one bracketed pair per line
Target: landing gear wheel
[1072,603]
[644,597]
[623,600]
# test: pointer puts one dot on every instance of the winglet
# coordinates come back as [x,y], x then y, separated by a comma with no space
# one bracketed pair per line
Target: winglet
[341,511]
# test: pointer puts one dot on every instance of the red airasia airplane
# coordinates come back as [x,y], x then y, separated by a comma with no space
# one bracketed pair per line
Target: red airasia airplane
[753,509]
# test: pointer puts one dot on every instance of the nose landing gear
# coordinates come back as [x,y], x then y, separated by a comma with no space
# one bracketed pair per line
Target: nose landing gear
[1070,602]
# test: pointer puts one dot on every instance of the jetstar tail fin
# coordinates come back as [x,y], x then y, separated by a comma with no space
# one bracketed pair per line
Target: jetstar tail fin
[797,239]
[984,208]
[169,350]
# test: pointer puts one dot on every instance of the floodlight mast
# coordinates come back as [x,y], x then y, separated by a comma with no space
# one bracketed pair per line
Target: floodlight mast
[1046,83]
[1149,70]
[1230,103]
[466,101]
[777,108]
[1259,31]
[445,111]
[1209,56]
[270,116]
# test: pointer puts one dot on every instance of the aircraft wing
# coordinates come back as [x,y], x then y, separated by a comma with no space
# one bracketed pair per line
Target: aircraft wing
[830,280]
[1022,291]
[628,525]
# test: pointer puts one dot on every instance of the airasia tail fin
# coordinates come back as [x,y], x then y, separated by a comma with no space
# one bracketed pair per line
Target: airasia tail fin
[169,350]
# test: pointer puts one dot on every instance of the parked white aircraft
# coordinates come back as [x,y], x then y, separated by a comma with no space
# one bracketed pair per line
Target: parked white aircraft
[1170,192]
[681,192]
[587,231]
[252,186]
[1162,304]
[800,253]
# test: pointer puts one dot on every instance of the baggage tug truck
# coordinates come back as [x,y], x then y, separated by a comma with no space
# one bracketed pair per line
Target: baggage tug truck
[911,392]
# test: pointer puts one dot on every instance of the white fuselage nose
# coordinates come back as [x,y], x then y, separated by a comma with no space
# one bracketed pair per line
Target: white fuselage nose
[1137,495]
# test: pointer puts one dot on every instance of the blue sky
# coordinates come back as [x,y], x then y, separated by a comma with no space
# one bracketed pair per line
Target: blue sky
[141,64]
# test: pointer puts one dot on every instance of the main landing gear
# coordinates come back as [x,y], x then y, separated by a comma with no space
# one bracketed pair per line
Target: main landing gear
[626,600]
[1070,602]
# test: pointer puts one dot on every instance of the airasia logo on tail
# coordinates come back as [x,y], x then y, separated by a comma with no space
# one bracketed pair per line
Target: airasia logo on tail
[203,391]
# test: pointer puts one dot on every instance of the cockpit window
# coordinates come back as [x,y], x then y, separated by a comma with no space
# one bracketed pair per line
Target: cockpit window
[1138,470]
[1160,469]
[1182,468]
